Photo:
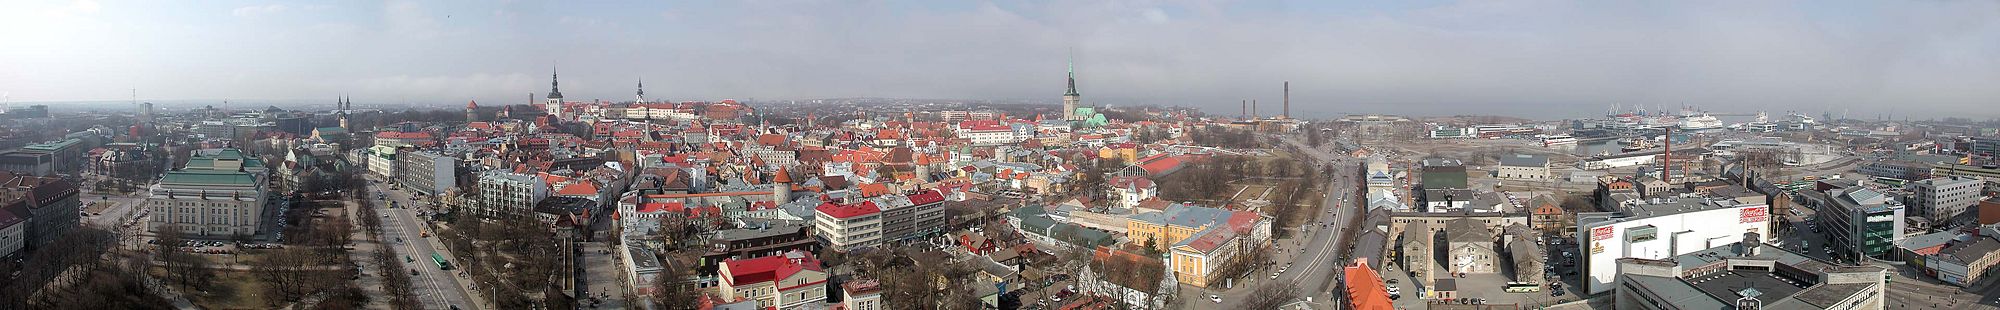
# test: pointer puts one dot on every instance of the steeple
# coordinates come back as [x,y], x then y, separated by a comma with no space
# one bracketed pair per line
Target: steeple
[642,90]
[1072,79]
[555,92]
[1070,97]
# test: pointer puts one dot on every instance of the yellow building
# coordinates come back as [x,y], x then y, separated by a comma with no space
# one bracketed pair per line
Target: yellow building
[1199,239]
[1194,262]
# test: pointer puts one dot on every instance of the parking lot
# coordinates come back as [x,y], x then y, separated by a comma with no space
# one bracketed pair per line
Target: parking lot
[1559,283]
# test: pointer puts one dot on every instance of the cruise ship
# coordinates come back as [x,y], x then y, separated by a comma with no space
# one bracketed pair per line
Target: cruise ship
[1700,122]
[1554,140]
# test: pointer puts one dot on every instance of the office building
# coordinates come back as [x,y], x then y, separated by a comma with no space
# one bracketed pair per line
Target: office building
[1941,199]
[1859,221]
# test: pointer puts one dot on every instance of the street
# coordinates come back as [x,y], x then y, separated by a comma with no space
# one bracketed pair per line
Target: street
[440,289]
[1314,262]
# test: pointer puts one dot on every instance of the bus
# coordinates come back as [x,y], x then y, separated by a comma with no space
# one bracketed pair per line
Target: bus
[1891,181]
[439,259]
[1523,287]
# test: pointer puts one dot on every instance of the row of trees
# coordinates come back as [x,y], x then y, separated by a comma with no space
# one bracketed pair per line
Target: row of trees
[394,282]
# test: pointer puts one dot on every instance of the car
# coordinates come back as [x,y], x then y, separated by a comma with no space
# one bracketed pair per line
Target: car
[1392,281]
[1216,299]
[1274,275]
[413,272]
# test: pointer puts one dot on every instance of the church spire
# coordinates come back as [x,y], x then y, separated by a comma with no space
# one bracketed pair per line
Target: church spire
[554,91]
[1072,78]
[642,89]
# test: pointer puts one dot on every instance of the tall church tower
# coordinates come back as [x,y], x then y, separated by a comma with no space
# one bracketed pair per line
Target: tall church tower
[554,104]
[343,105]
[642,91]
[1070,98]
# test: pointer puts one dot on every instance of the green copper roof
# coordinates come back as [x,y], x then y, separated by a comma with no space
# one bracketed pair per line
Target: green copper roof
[209,177]
[1072,80]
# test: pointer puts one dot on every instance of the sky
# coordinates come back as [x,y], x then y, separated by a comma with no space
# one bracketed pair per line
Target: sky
[1912,59]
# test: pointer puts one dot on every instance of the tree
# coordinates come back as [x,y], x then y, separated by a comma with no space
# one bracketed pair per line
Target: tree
[674,291]
[1270,296]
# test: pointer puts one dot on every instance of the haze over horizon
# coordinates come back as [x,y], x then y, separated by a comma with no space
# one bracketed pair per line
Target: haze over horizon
[1912,59]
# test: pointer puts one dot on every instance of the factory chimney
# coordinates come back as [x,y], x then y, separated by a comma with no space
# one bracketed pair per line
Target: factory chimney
[1288,100]
[1253,109]
[1667,157]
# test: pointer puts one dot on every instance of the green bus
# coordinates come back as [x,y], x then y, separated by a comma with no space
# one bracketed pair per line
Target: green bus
[439,259]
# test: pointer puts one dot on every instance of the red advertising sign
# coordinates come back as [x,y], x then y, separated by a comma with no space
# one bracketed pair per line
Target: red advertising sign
[1600,233]
[1755,215]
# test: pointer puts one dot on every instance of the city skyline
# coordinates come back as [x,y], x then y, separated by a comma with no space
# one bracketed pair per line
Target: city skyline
[1913,60]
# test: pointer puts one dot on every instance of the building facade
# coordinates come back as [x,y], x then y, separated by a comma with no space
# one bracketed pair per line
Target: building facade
[786,281]
[848,226]
[220,193]
[425,172]
[1941,199]
[505,193]
[1747,275]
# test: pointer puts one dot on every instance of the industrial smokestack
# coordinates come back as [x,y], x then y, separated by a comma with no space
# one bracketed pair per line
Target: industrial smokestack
[1667,157]
[1253,109]
[1244,111]
[1288,99]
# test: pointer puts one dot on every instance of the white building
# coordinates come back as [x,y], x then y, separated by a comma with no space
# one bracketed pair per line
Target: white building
[848,226]
[220,193]
[986,132]
[510,193]
[1523,166]
[13,233]
[381,161]
[1660,229]
[1941,199]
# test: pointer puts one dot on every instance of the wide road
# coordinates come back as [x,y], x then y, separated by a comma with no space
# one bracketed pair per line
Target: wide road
[402,231]
[1315,262]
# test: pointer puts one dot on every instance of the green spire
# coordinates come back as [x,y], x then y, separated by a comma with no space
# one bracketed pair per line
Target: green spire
[1072,78]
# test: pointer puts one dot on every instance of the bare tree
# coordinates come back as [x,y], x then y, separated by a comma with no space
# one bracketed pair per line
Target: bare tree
[675,292]
[1270,296]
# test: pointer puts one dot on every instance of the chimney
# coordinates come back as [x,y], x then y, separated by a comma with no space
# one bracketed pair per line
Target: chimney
[1244,110]
[1253,109]
[1667,157]
[1288,99]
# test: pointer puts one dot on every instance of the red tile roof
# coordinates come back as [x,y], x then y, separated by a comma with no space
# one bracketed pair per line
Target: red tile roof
[768,268]
[926,197]
[1364,288]
[843,211]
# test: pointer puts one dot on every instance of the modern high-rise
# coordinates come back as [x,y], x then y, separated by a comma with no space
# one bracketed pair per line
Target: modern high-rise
[219,193]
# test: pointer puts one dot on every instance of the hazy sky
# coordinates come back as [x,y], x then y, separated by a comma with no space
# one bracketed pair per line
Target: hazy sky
[1526,58]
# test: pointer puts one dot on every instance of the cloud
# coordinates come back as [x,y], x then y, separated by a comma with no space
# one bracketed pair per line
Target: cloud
[1542,58]
[258,10]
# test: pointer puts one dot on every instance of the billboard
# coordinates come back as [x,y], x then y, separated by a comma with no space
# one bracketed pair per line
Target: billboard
[1754,215]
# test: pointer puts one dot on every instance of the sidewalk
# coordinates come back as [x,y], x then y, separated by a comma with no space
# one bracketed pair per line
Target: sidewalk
[370,279]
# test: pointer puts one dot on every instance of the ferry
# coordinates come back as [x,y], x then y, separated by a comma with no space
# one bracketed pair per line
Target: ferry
[1700,122]
[1554,140]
